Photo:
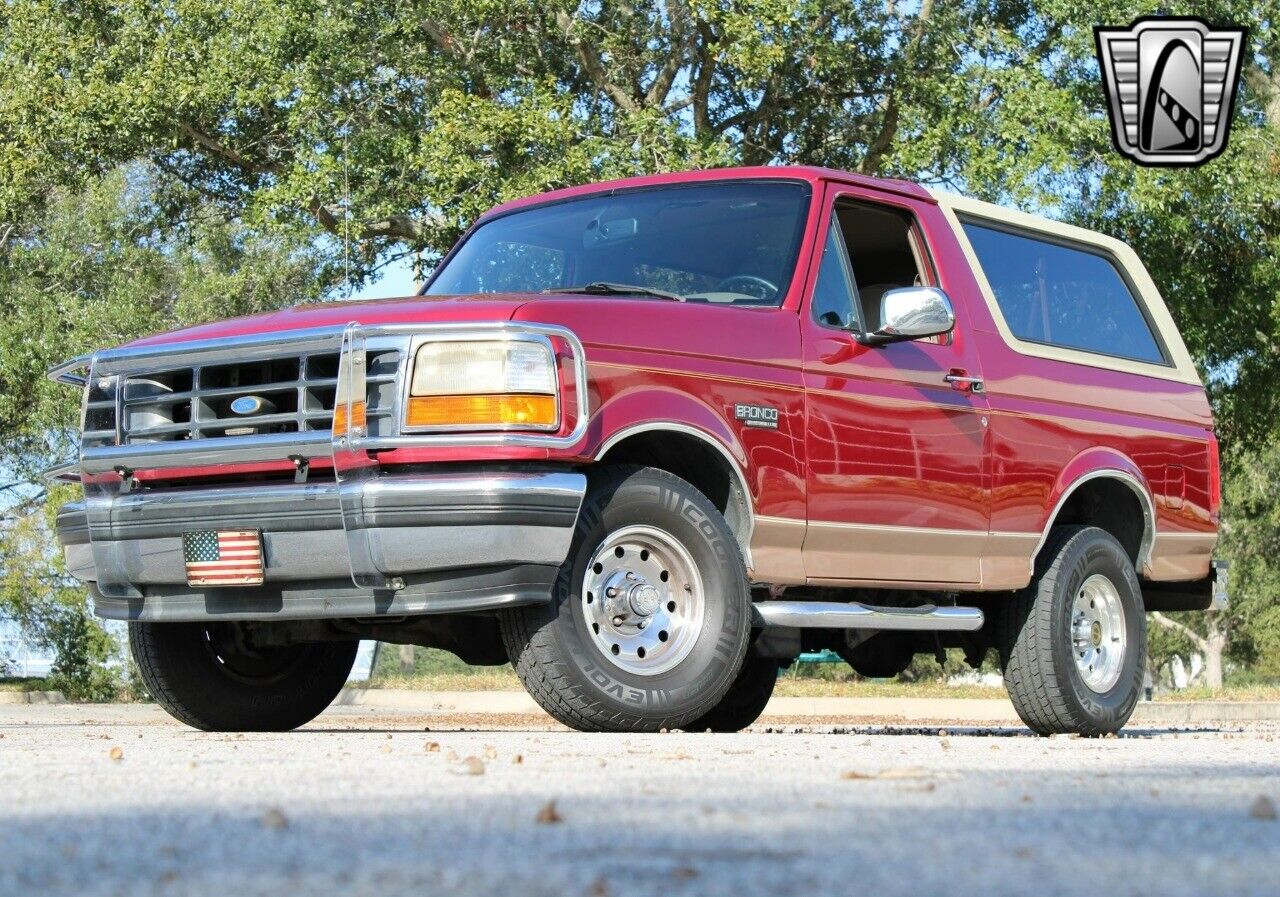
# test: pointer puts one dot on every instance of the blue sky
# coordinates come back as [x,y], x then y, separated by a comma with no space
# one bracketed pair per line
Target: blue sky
[396,280]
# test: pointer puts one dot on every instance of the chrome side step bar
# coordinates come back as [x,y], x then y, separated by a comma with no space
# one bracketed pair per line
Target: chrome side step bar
[840,615]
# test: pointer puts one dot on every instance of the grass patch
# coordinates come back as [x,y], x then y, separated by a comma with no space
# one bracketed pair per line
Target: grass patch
[25,684]
[802,687]
[1228,693]
[431,669]
[483,679]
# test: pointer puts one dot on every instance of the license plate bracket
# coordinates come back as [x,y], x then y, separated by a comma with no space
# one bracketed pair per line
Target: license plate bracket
[223,558]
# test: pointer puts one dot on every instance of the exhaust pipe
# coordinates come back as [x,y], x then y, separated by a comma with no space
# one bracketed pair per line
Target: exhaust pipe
[840,615]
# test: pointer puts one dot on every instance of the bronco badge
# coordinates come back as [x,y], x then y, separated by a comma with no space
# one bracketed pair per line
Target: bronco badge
[757,416]
[1170,85]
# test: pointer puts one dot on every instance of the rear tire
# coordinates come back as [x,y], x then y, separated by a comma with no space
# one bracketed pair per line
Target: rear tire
[651,613]
[208,676]
[744,701]
[1073,643]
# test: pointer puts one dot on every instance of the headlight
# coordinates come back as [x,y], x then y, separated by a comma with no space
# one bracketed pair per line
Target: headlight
[489,384]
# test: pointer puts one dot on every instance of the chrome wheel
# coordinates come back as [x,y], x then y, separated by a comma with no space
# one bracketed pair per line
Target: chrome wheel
[1098,633]
[642,600]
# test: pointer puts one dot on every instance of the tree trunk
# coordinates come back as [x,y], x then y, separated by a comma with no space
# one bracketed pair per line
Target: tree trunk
[1211,645]
[406,659]
[1215,644]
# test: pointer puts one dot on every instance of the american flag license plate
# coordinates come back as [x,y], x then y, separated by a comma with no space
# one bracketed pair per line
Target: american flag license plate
[223,557]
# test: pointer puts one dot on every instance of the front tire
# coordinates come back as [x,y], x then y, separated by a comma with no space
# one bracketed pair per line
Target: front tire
[1073,643]
[651,612]
[212,676]
[744,701]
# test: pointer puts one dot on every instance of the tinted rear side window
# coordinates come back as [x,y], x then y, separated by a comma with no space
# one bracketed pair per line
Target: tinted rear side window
[1061,296]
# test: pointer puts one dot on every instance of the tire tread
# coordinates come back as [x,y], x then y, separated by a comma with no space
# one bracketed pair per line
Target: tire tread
[530,642]
[1025,636]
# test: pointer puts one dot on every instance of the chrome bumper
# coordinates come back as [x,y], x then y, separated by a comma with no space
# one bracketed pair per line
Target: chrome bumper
[445,542]
[1219,599]
[1209,593]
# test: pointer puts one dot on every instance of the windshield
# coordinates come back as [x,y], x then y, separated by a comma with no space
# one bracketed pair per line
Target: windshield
[727,242]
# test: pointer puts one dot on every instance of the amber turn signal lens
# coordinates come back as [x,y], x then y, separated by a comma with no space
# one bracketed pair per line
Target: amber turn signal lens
[482,411]
[340,422]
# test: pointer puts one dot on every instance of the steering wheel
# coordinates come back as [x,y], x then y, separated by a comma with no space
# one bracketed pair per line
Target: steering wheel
[756,285]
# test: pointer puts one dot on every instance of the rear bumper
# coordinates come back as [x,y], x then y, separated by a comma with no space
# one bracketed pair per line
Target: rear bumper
[1209,593]
[456,541]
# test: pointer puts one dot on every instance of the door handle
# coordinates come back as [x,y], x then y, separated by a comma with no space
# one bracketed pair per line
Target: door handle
[962,381]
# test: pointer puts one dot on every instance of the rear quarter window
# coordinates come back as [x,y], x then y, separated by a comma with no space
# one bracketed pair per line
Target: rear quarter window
[1062,295]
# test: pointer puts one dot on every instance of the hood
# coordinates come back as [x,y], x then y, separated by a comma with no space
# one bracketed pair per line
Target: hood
[406,310]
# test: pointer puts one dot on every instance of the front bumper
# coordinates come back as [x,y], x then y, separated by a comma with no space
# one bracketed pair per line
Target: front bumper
[453,541]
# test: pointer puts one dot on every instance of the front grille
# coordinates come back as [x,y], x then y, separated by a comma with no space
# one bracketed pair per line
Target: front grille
[295,394]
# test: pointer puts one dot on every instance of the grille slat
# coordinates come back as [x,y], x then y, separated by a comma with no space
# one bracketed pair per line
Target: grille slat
[191,402]
[231,391]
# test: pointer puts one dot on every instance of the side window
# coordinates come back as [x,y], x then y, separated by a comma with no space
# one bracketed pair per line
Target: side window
[834,300]
[1062,296]
[883,253]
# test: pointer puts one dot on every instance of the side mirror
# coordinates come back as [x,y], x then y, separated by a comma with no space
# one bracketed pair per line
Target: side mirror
[912,313]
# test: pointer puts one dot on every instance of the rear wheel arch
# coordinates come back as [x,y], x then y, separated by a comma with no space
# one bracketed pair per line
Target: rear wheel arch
[1112,499]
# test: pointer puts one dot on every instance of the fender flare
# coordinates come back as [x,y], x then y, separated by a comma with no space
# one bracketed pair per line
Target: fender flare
[699,422]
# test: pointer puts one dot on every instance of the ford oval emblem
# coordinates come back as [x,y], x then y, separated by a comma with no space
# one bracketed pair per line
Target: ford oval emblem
[246,405]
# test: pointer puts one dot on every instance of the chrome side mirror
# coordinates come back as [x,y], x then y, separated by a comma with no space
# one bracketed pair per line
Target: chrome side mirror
[912,313]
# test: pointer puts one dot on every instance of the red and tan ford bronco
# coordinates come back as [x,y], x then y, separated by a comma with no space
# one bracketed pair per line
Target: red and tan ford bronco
[650,440]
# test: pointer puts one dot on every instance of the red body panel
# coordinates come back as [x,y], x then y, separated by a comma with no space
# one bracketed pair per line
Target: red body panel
[890,442]
[1051,418]
[406,310]
[866,436]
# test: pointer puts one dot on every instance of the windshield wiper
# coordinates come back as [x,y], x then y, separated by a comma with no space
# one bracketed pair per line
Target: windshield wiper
[608,288]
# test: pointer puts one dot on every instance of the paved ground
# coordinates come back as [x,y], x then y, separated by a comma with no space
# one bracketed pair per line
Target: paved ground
[367,802]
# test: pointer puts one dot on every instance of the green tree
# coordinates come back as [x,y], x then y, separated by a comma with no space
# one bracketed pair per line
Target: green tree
[394,123]
[51,607]
[391,124]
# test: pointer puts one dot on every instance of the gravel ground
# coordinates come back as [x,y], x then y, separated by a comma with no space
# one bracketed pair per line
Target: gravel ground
[118,800]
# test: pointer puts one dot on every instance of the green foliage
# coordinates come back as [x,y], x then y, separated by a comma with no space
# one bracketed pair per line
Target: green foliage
[394,123]
[52,608]
[426,662]
[1251,543]
[83,649]
[391,125]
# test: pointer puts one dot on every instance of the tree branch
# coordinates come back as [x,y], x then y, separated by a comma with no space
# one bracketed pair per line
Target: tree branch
[445,41]
[1267,87]
[594,65]
[393,227]
[702,79]
[224,152]
[884,138]
[682,43]
[1191,635]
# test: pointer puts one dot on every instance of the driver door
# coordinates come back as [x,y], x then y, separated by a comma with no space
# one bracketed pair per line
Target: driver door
[897,478]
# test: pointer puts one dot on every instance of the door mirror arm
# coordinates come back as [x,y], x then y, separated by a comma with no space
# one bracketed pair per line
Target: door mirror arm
[878,338]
